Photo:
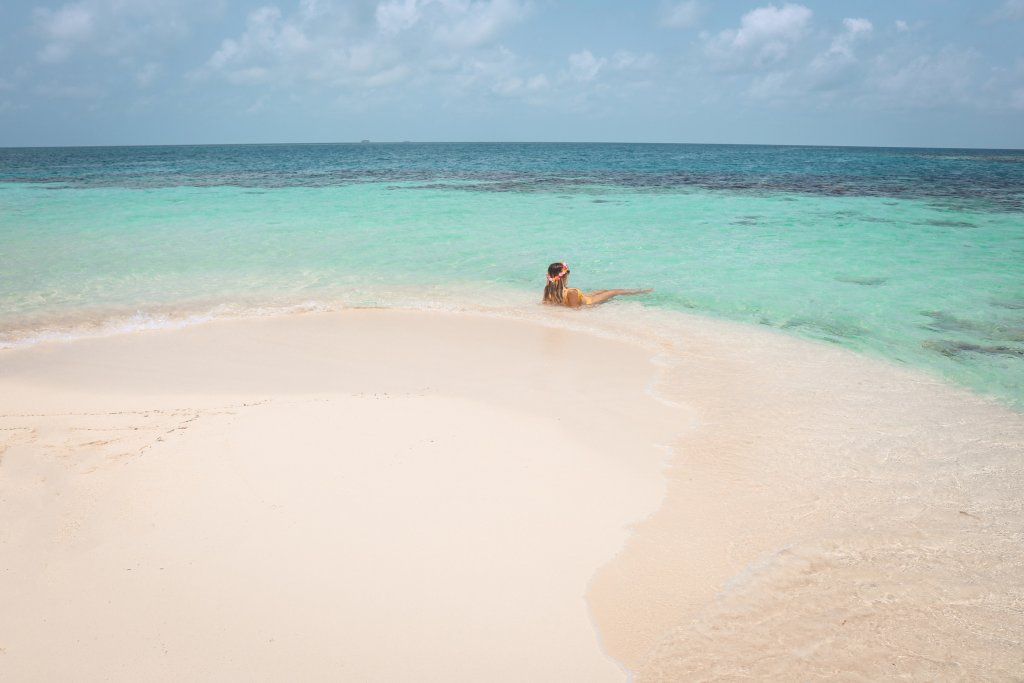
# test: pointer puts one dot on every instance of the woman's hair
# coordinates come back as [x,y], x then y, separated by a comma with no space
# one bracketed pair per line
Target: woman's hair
[554,290]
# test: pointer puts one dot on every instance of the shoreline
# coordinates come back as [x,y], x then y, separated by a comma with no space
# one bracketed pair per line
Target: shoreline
[504,303]
[796,469]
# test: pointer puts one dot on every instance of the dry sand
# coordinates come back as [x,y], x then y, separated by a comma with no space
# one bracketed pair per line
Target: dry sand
[365,496]
[410,496]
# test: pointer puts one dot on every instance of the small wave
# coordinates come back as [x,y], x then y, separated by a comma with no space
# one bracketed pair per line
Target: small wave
[994,330]
[1009,304]
[866,281]
[944,223]
[139,321]
[952,349]
[826,330]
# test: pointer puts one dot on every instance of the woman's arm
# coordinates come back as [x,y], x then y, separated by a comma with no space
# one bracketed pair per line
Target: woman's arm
[602,295]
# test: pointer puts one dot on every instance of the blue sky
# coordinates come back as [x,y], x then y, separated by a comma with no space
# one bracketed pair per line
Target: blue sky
[911,73]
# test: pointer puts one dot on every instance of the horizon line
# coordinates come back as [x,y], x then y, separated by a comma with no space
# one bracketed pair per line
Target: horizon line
[357,143]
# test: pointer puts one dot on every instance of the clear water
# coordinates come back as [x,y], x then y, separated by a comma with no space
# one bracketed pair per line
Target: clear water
[912,255]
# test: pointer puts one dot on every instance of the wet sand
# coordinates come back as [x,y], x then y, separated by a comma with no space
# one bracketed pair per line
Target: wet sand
[831,516]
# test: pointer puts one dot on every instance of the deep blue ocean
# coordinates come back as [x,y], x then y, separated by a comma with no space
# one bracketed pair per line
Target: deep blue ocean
[913,255]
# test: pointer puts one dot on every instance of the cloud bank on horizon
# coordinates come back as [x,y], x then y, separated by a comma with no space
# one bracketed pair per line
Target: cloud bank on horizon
[180,71]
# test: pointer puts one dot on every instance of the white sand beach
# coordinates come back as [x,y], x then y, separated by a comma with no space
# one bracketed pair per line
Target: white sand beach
[365,496]
[380,495]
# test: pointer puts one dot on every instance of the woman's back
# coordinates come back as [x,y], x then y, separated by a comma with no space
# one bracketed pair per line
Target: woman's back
[574,298]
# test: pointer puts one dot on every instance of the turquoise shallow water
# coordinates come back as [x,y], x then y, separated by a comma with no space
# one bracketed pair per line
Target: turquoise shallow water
[915,256]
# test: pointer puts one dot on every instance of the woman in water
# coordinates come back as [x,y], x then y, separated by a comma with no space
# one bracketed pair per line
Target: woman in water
[555,291]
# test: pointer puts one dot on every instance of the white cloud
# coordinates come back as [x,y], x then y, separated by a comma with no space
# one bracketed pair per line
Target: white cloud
[477,22]
[63,30]
[499,72]
[624,59]
[584,66]
[770,23]
[71,22]
[267,42]
[835,68]
[391,42]
[126,29]
[1010,10]
[773,85]
[765,37]
[386,77]
[856,26]
[1004,87]
[275,50]
[850,70]
[593,82]
[681,14]
[145,76]
[902,26]
[936,79]
[843,44]
[77,91]
[522,87]
[8,105]
[776,56]
[397,15]
[1017,98]
[584,81]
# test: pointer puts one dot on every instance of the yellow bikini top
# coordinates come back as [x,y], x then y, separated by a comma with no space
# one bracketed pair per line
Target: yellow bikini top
[583,298]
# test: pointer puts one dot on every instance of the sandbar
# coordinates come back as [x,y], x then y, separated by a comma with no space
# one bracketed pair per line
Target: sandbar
[392,495]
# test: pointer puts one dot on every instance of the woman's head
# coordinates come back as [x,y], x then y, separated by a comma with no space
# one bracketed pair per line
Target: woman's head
[557,271]
[554,290]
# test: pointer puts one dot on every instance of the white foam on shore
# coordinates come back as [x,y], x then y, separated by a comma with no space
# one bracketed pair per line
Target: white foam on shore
[107,323]
[95,322]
